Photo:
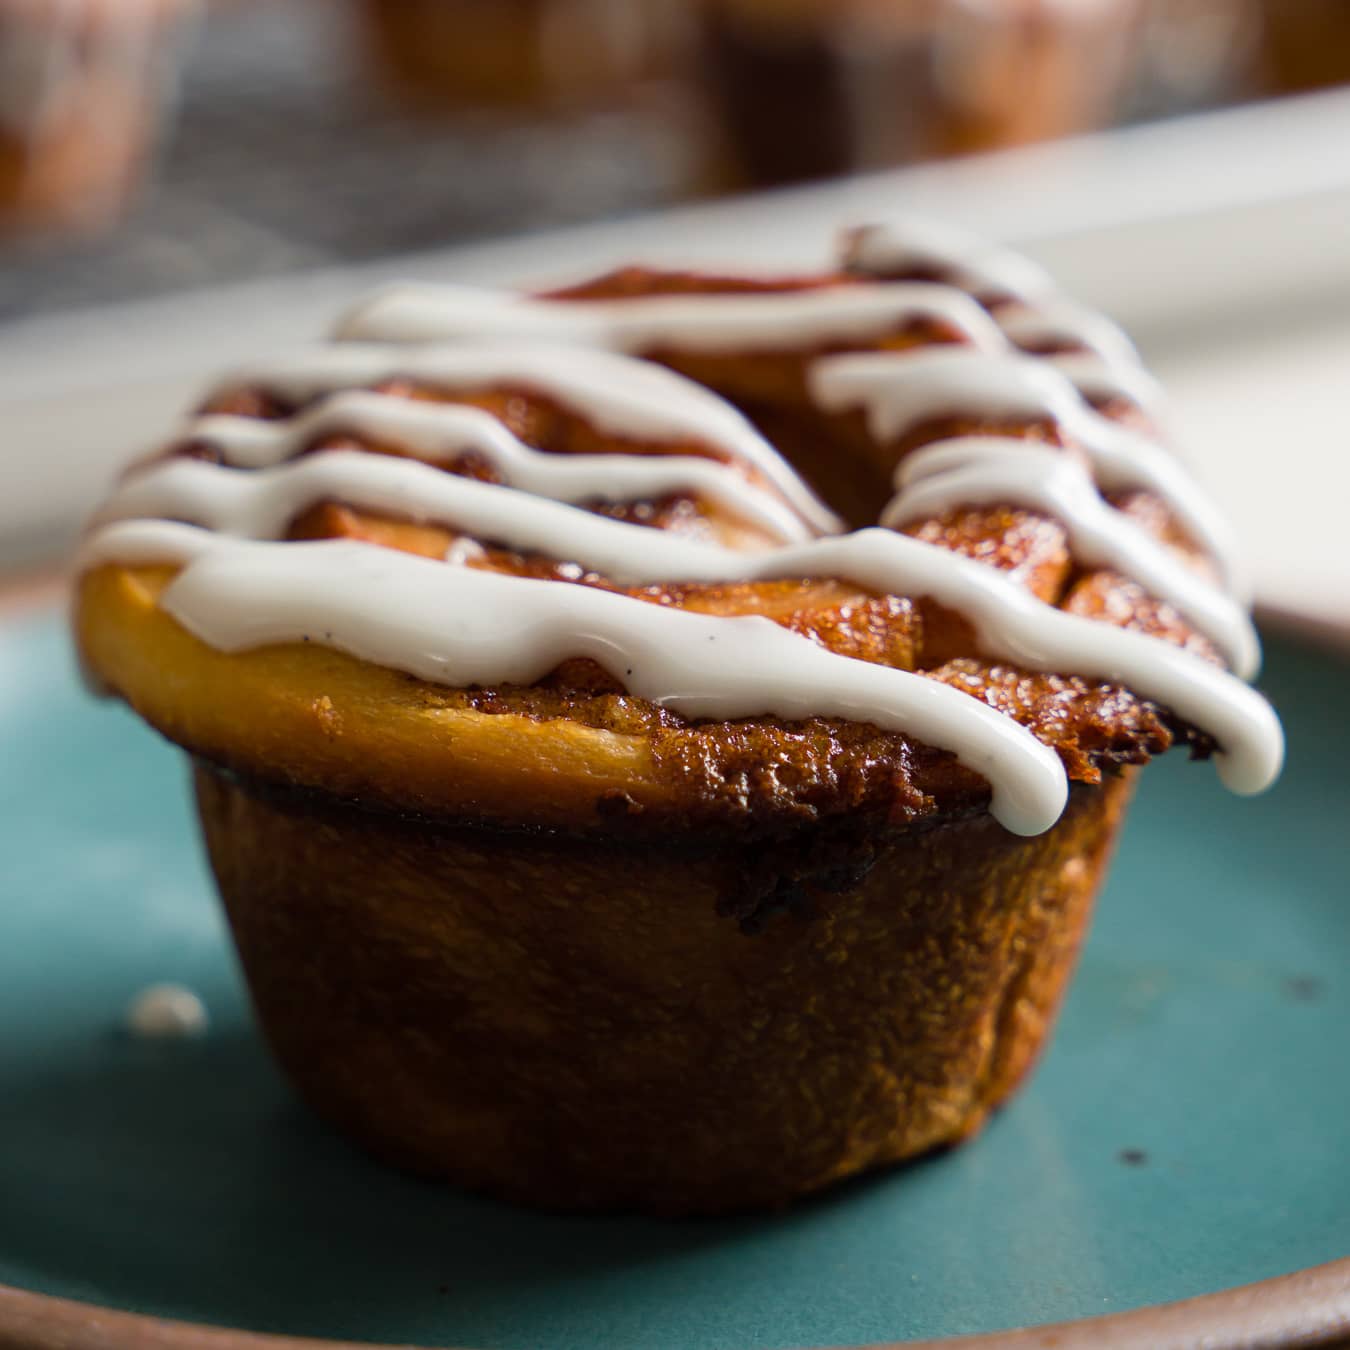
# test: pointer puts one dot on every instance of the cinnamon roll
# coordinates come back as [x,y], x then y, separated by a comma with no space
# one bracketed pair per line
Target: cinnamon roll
[658,741]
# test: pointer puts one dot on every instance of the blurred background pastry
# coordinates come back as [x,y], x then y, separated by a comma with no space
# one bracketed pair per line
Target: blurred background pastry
[322,132]
[83,85]
[1305,44]
[522,53]
[1190,54]
[807,88]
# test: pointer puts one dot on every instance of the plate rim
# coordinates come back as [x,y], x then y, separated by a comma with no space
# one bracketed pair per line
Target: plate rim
[1309,1307]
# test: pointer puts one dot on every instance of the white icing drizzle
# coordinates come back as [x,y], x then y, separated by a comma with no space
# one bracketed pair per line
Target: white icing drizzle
[1012,624]
[441,431]
[1098,380]
[1059,321]
[971,263]
[616,394]
[899,391]
[376,604]
[260,505]
[987,471]
[1038,313]
[463,624]
[1105,361]
[967,471]
[709,323]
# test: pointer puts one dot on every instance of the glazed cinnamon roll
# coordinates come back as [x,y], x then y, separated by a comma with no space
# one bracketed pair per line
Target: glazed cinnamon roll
[658,742]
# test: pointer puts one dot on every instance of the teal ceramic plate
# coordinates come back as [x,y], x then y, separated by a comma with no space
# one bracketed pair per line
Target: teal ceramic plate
[1189,1130]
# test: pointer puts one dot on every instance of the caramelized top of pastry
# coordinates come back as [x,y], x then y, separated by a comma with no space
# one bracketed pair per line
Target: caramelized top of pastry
[530,533]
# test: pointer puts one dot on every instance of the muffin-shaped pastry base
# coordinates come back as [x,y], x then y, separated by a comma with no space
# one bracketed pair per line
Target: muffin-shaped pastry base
[579,1021]
[649,845]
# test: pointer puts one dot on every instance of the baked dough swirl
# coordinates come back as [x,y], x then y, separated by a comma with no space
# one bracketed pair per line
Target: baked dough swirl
[830,584]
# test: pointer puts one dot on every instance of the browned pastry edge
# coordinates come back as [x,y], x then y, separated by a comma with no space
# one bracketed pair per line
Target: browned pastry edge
[756,774]
[300,715]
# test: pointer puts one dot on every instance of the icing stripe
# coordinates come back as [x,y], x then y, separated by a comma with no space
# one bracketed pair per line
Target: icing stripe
[260,505]
[441,431]
[379,605]
[987,471]
[1100,380]
[729,324]
[899,391]
[616,394]
[968,261]
[1012,624]
[1107,362]
[1015,626]
[1050,322]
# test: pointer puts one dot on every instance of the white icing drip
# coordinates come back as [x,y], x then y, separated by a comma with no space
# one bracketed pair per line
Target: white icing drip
[971,263]
[261,504]
[238,593]
[1012,624]
[440,431]
[986,471]
[1098,379]
[1108,363]
[899,391]
[711,323]
[1061,321]
[616,394]
[1015,626]
[703,322]
[381,605]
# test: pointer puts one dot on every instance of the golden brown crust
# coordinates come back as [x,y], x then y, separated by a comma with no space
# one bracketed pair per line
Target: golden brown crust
[540,422]
[628,759]
[575,1025]
[572,752]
